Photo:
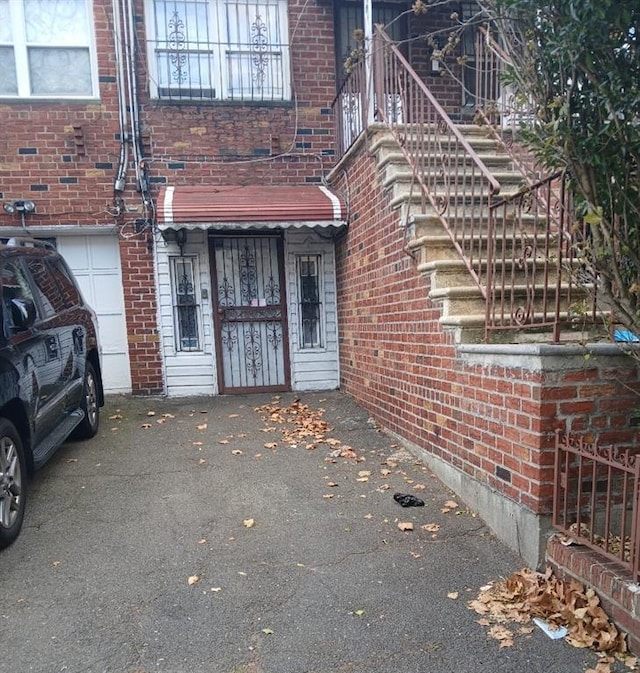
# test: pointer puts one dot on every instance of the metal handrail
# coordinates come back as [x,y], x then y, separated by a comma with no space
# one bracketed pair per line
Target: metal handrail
[455,187]
[446,119]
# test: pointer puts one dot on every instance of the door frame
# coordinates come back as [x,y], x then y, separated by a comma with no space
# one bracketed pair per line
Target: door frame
[217,321]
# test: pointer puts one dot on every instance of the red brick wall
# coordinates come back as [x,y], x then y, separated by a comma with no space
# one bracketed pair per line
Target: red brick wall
[495,423]
[64,156]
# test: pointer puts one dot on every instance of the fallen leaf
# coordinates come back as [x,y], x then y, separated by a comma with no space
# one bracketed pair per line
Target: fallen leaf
[233,415]
[452,504]
[331,484]
[328,496]
[415,554]
[146,426]
[364,473]
[268,632]
[236,452]
[71,460]
[202,426]
[405,525]
[115,417]
[222,441]
[453,595]
[431,527]
[358,613]
[248,523]
[151,413]
[168,416]
[202,540]
[270,445]
[216,589]
[193,579]
[202,461]
[197,443]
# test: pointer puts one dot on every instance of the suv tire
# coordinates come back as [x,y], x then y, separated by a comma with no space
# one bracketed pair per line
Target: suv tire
[13,475]
[88,427]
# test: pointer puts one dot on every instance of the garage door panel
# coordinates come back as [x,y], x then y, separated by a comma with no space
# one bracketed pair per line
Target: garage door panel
[104,255]
[95,261]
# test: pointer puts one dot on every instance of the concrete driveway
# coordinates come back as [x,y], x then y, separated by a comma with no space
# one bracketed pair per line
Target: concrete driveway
[197,540]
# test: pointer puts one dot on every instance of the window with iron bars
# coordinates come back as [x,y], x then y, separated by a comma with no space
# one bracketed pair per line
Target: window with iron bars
[310,293]
[234,50]
[185,304]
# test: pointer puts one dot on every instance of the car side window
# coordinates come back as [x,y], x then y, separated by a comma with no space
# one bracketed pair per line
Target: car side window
[15,288]
[64,282]
[46,289]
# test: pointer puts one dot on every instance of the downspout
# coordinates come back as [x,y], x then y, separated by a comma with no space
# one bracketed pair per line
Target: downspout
[123,159]
[132,89]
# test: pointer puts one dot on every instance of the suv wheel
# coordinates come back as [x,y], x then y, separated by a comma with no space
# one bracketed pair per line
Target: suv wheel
[12,483]
[89,426]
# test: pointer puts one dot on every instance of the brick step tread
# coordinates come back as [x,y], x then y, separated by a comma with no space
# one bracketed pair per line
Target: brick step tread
[392,177]
[382,141]
[490,159]
[416,198]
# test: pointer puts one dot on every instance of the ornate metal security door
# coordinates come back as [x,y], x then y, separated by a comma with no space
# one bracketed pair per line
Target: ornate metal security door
[250,313]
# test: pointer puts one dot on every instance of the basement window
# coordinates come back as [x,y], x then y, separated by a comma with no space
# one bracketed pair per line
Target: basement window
[310,293]
[185,305]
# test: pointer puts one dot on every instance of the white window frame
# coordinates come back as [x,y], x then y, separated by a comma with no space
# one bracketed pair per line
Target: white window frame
[20,48]
[222,50]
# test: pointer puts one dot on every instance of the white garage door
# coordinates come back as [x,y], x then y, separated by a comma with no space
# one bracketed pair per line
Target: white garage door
[95,261]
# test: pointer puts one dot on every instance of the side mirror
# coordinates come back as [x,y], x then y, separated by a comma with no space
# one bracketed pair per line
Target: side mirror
[23,314]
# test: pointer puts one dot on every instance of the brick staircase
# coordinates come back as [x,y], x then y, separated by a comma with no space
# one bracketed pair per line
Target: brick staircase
[434,249]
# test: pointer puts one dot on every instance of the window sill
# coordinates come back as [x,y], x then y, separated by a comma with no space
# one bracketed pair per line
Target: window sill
[53,100]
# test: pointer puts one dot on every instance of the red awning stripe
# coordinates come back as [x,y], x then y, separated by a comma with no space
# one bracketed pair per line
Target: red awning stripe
[210,205]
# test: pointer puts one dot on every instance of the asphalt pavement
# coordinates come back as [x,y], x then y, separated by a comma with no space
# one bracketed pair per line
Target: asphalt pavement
[213,535]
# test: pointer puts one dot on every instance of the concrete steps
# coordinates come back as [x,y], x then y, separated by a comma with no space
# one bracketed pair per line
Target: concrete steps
[461,193]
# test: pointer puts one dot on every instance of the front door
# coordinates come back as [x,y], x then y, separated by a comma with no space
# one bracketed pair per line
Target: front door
[250,312]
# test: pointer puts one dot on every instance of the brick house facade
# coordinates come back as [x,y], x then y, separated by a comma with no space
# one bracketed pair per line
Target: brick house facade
[353,309]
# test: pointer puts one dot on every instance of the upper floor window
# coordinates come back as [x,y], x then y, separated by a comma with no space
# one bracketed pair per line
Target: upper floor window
[218,49]
[47,49]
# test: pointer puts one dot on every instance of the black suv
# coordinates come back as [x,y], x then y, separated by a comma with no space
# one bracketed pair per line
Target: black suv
[50,380]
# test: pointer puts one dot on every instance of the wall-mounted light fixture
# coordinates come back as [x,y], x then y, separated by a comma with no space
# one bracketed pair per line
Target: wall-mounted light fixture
[177,236]
[436,57]
[21,206]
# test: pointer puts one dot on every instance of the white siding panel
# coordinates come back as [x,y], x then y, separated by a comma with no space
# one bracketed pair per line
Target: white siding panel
[186,373]
[312,368]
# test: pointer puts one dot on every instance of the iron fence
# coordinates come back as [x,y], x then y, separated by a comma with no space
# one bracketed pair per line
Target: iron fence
[597,498]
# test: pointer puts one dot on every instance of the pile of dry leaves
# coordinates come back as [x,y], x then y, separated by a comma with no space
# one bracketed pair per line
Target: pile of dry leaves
[301,425]
[526,595]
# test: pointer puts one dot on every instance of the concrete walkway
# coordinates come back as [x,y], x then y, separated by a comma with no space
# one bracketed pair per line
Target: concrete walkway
[204,543]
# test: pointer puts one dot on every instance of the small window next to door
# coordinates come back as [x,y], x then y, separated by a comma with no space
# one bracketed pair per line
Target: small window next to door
[310,293]
[185,305]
